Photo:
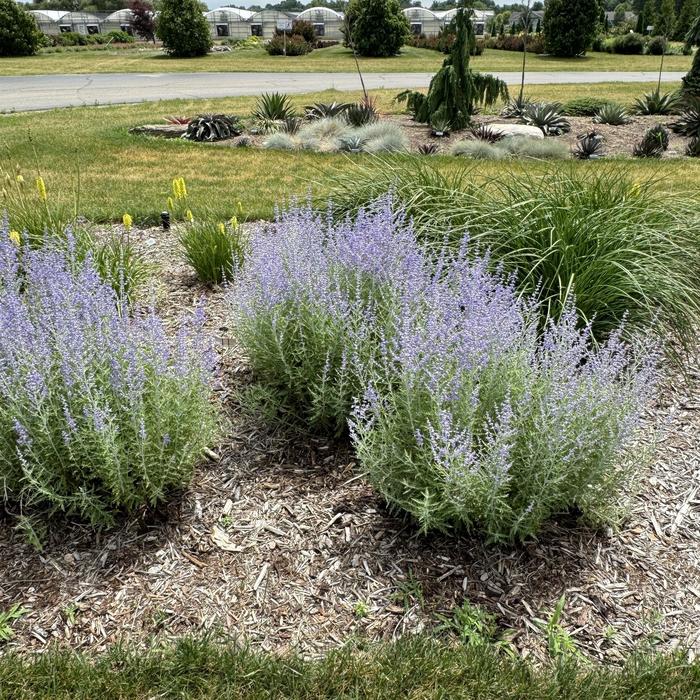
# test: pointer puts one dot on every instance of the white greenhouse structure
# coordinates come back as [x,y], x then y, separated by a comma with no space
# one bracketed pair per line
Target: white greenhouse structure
[327,23]
[229,22]
[60,22]
[266,22]
[119,21]
[480,19]
[423,21]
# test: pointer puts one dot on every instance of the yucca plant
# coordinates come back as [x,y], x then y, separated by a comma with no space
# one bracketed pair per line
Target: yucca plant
[273,106]
[547,116]
[323,110]
[657,103]
[213,127]
[660,133]
[427,149]
[588,146]
[688,123]
[612,114]
[360,114]
[624,250]
[484,132]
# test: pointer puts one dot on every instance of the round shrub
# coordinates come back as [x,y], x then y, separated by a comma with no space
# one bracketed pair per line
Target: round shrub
[629,44]
[294,45]
[657,46]
[98,412]
[376,27]
[183,29]
[584,106]
[19,34]
[462,415]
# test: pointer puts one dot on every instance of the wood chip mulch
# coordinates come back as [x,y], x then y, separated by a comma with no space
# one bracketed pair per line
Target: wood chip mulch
[279,542]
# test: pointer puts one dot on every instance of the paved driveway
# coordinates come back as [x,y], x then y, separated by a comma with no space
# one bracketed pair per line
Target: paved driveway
[23,93]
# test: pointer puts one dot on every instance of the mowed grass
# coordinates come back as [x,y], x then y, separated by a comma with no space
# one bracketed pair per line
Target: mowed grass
[414,667]
[118,172]
[334,59]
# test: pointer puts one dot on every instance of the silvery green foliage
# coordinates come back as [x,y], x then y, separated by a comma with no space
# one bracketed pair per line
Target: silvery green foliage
[464,414]
[526,147]
[478,149]
[99,413]
[280,141]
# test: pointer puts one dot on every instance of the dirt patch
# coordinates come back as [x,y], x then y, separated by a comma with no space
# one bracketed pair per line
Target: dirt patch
[278,541]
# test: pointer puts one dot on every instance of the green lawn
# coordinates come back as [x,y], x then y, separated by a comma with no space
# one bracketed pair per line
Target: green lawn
[333,59]
[418,668]
[120,172]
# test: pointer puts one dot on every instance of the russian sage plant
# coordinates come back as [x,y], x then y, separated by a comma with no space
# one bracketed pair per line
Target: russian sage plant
[465,413]
[98,411]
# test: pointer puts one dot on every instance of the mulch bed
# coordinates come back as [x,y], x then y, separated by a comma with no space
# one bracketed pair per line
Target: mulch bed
[617,140]
[277,540]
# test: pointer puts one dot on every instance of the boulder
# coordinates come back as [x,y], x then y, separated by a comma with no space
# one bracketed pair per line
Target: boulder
[518,130]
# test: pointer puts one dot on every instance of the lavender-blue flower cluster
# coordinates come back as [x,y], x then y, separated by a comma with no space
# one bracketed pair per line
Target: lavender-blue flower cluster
[461,411]
[98,410]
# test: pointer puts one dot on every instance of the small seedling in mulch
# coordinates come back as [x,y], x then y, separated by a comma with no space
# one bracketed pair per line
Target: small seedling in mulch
[7,618]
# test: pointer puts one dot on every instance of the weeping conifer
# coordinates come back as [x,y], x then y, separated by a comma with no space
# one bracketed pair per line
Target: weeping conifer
[691,82]
[455,89]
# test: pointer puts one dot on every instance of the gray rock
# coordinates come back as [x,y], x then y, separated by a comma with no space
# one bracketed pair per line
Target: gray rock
[518,130]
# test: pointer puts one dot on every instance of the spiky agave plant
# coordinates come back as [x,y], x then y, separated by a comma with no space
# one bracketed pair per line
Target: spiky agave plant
[325,110]
[273,106]
[547,116]
[360,114]
[651,145]
[515,108]
[588,146]
[456,90]
[213,127]
[688,123]
[657,103]
[484,132]
[612,114]
[693,148]
[427,149]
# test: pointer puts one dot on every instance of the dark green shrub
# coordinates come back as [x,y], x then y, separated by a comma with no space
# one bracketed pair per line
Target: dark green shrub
[569,26]
[304,29]
[19,35]
[294,45]
[629,44]
[657,46]
[376,27]
[584,106]
[183,29]
[515,42]
[120,37]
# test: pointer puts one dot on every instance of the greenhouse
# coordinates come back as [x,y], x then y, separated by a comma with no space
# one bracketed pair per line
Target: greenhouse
[327,23]
[229,22]
[479,19]
[119,21]
[423,21]
[266,22]
[48,20]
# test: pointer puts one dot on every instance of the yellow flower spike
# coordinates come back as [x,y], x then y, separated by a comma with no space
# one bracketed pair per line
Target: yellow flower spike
[239,209]
[188,215]
[127,221]
[15,238]
[635,190]
[171,204]
[175,188]
[234,223]
[20,179]
[183,187]
[222,229]
[41,188]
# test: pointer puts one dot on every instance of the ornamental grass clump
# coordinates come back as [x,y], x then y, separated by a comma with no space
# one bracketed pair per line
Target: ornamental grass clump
[99,413]
[463,413]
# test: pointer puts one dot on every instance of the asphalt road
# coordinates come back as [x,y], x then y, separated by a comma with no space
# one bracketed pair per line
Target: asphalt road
[36,92]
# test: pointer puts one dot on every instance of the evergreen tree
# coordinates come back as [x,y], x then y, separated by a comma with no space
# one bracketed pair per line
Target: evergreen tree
[376,27]
[649,13]
[455,89]
[183,29]
[570,25]
[665,18]
[19,35]
[688,11]
[691,82]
